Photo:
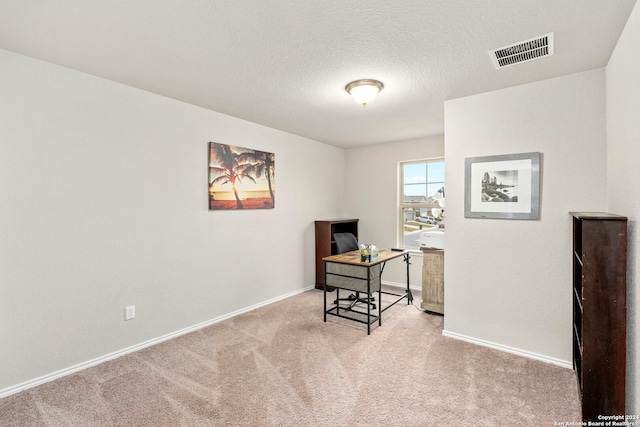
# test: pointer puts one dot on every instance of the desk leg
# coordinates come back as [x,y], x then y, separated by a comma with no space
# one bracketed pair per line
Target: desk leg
[324,286]
[368,301]
[407,258]
[380,304]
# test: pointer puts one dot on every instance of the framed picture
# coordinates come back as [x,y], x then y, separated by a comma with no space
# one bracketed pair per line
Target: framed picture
[506,187]
[241,178]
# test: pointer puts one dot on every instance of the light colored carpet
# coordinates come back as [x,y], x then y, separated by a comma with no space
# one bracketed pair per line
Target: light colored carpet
[281,365]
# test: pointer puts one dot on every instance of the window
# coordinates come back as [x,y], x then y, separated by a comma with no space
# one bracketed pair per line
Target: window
[421,201]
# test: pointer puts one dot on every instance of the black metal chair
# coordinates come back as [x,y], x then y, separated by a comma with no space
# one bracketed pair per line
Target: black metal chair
[347,242]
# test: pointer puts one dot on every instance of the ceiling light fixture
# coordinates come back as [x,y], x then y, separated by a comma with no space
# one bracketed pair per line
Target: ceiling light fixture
[364,90]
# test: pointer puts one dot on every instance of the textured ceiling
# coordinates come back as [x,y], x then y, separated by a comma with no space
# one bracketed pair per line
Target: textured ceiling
[284,63]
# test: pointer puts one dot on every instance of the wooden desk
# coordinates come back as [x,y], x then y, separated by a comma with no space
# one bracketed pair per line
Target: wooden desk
[346,271]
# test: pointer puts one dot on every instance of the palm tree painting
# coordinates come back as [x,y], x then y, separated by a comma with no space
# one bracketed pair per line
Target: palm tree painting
[240,178]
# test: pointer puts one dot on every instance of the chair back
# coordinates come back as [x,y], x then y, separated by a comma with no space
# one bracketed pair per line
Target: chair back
[345,242]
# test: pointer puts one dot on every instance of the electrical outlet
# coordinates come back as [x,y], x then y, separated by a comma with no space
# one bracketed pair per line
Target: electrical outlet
[130,312]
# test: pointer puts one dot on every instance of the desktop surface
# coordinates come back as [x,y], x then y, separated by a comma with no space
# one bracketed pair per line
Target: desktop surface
[353,257]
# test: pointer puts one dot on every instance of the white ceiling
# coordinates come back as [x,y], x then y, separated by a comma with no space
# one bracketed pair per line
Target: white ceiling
[284,63]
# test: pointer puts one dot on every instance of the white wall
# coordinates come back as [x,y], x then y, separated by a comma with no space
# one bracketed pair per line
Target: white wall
[103,204]
[508,282]
[372,195]
[623,178]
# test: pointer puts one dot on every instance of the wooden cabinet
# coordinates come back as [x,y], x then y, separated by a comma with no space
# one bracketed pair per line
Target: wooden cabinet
[326,245]
[433,280]
[599,311]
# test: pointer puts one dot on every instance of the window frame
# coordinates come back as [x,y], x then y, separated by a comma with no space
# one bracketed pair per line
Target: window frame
[401,205]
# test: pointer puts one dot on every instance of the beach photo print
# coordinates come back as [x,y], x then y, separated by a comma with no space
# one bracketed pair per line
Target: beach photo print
[240,178]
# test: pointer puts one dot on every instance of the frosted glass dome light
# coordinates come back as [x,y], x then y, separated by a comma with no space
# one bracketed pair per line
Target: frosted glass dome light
[364,91]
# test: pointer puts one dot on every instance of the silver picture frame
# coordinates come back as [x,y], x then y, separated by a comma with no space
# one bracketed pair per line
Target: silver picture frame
[503,187]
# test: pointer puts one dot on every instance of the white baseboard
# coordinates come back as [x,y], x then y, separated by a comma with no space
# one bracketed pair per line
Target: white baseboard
[84,365]
[507,349]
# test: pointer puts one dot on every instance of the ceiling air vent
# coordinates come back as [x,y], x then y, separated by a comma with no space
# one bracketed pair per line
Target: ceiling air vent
[524,51]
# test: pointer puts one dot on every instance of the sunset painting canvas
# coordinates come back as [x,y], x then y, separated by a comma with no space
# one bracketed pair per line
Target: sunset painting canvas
[240,178]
